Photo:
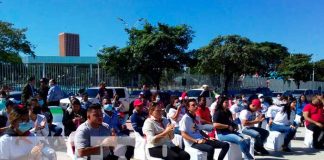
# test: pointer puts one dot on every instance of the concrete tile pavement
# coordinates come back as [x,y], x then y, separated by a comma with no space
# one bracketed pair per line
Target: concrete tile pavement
[300,152]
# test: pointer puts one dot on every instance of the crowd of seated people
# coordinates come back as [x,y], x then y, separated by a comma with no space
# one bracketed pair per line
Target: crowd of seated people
[205,128]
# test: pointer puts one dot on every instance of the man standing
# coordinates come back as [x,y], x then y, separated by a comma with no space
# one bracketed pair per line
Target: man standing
[43,88]
[28,90]
[55,94]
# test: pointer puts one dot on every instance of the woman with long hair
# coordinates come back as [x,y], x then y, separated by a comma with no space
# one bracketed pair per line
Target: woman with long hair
[284,122]
[226,128]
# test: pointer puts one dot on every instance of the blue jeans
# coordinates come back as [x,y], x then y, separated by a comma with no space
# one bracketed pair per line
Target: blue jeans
[56,129]
[237,138]
[289,132]
[260,135]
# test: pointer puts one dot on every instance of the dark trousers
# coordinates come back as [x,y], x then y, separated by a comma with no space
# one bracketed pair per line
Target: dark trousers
[56,129]
[317,143]
[210,146]
[173,153]
[53,103]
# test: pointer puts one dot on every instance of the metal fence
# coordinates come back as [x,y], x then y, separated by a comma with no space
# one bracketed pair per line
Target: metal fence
[73,77]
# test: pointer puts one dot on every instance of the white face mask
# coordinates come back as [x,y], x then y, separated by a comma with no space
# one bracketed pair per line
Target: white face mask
[261,100]
[178,104]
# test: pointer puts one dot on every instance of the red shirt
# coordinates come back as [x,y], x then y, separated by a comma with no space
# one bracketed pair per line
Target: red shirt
[316,114]
[204,113]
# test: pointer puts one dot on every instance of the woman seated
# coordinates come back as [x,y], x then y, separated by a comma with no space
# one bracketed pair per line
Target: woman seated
[191,130]
[17,142]
[73,117]
[175,113]
[159,133]
[283,122]
[314,117]
[226,128]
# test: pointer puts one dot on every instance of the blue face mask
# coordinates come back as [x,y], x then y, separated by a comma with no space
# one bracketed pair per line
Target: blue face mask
[25,126]
[41,102]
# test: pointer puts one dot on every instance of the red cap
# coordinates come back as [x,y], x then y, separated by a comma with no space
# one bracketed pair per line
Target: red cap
[138,102]
[256,102]
[184,95]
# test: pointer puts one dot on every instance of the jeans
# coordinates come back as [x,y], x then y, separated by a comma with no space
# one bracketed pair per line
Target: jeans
[207,127]
[317,143]
[56,129]
[289,132]
[237,138]
[210,146]
[173,153]
[260,135]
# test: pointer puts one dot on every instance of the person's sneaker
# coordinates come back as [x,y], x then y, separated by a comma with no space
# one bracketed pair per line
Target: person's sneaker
[286,149]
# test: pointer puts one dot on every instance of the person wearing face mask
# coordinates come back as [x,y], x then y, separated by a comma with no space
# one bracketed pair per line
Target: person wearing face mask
[159,133]
[264,107]
[55,94]
[283,122]
[236,108]
[176,112]
[248,118]
[17,142]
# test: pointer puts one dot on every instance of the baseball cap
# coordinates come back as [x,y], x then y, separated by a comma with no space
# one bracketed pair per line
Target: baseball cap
[260,95]
[138,102]
[256,102]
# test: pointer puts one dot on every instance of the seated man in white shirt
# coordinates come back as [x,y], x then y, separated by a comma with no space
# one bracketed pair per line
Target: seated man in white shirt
[40,122]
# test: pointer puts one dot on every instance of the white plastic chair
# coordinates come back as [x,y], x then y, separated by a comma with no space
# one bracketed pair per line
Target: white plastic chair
[308,140]
[275,140]
[139,149]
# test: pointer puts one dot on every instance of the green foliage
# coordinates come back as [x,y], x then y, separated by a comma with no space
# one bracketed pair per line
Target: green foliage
[228,55]
[12,42]
[272,54]
[150,51]
[319,70]
[297,67]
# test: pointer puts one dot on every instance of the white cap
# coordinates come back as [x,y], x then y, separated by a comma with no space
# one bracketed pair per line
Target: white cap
[260,95]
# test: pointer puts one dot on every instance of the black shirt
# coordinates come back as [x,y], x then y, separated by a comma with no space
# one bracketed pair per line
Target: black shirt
[223,117]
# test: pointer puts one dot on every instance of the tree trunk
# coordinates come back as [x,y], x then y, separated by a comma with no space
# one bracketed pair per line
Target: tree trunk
[227,81]
[298,84]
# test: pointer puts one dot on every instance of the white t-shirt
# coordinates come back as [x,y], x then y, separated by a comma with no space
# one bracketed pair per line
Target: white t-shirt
[212,108]
[247,115]
[39,120]
[282,118]
[191,127]
[236,109]
[272,111]
[172,112]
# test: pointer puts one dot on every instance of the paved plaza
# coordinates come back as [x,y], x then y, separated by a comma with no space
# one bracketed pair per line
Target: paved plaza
[300,152]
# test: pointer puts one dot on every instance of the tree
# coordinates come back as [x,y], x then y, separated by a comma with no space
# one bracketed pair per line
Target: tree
[272,54]
[319,70]
[155,49]
[117,62]
[12,42]
[297,67]
[228,55]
